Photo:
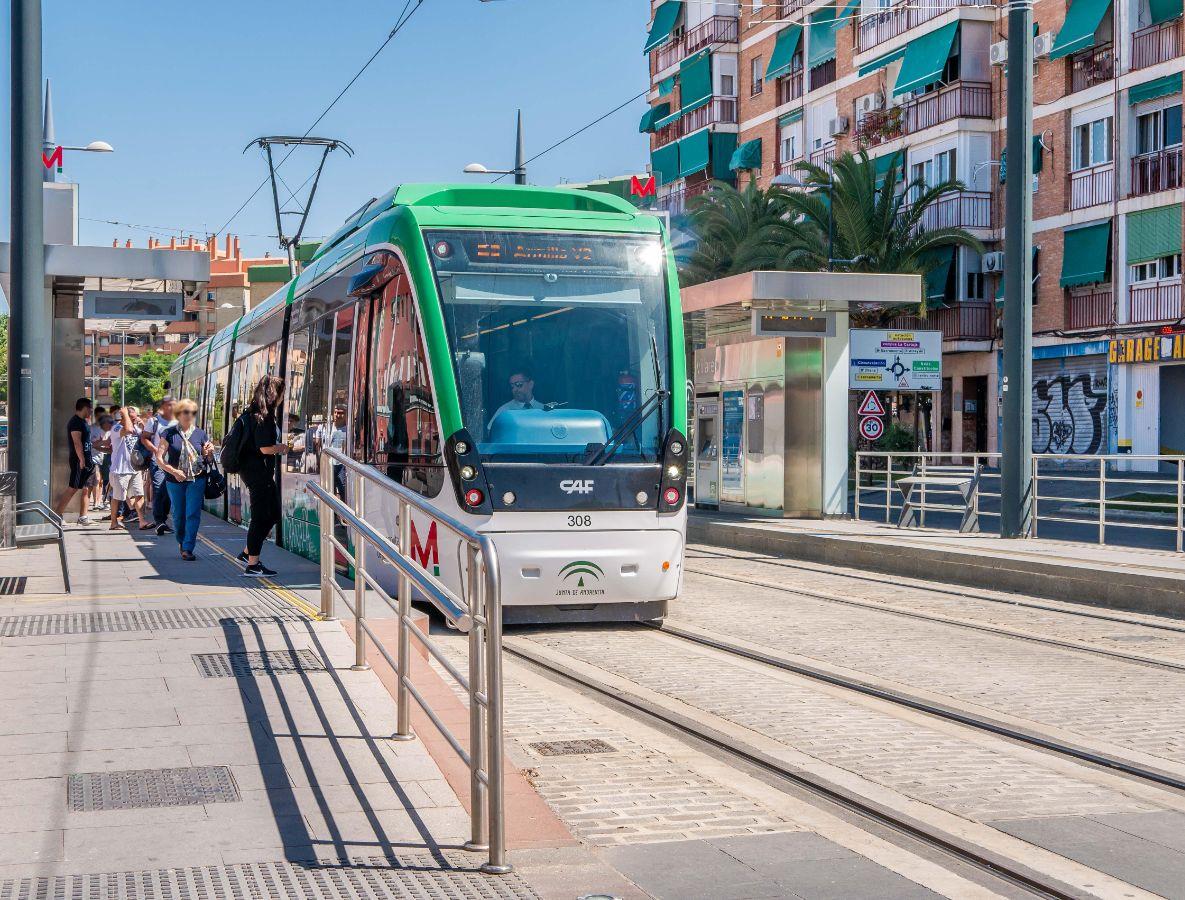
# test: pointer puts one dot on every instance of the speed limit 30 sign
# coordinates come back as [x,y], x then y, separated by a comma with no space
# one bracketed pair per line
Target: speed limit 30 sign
[871,427]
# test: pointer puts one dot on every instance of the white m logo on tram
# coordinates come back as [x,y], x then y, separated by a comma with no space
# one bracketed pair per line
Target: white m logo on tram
[577,486]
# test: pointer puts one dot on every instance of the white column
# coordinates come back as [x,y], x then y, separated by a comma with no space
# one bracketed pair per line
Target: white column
[835,419]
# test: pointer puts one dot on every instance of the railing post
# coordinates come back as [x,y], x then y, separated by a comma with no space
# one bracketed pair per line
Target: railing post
[889,489]
[403,730]
[1036,495]
[1102,499]
[478,795]
[325,524]
[1180,505]
[360,663]
[857,516]
[923,462]
[492,612]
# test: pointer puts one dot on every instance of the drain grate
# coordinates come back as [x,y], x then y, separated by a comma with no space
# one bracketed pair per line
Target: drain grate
[14,584]
[406,878]
[149,788]
[139,620]
[573,748]
[231,665]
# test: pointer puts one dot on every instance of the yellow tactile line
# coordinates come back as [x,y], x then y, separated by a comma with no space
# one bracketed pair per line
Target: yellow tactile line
[279,590]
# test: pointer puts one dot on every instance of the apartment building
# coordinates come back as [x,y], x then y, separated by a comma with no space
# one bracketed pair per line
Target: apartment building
[743,91]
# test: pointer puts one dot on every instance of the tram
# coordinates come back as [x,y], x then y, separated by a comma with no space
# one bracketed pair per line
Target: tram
[516,355]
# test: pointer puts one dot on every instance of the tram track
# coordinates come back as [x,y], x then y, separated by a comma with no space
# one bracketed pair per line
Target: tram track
[914,830]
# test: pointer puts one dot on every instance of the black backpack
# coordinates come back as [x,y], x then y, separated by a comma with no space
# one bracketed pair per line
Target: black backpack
[232,448]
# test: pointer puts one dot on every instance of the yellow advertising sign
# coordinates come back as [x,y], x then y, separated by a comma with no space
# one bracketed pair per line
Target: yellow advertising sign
[1148,349]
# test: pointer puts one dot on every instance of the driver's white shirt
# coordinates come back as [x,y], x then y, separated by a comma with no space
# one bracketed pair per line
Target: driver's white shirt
[517,404]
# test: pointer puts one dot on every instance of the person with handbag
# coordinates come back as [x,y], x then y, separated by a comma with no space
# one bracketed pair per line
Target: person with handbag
[183,453]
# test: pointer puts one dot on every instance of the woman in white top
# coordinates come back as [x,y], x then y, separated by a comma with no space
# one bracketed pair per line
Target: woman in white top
[126,483]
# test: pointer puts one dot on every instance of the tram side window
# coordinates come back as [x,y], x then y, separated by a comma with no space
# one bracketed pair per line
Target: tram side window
[307,395]
[216,405]
[406,440]
[295,426]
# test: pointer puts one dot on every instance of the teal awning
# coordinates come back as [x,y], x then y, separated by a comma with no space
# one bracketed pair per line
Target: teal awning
[821,37]
[1086,254]
[1164,10]
[881,61]
[666,87]
[785,47]
[667,120]
[695,153]
[884,163]
[938,277]
[1038,159]
[695,79]
[664,163]
[925,59]
[665,18]
[746,156]
[1153,233]
[1077,32]
[1036,275]
[795,115]
[1157,87]
[724,147]
[652,115]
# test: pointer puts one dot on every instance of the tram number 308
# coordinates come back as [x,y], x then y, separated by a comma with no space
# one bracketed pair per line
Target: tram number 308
[579,521]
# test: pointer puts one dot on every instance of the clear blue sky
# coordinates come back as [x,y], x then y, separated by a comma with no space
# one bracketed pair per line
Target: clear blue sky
[180,88]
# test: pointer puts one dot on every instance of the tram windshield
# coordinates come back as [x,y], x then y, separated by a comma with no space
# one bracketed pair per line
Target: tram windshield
[557,340]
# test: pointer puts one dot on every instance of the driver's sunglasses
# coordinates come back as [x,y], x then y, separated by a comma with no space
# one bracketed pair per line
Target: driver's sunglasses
[518,384]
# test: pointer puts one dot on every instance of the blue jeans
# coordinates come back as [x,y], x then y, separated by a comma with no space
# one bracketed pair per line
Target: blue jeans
[186,498]
[160,496]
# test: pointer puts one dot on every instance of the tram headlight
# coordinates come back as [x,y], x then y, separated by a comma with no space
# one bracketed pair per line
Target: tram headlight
[474,497]
[677,448]
[674,473]
[468,473]
[642,497]
[648,258]
[508,498]
[462,448]
[443,249]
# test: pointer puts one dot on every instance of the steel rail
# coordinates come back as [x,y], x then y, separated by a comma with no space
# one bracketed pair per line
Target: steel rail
[953,846]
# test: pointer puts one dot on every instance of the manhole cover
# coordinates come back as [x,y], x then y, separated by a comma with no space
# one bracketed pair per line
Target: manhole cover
[230,665]
[573,748]
[151,788]
[138,620]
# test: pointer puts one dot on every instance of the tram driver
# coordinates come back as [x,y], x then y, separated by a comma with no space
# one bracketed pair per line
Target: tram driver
[522,393]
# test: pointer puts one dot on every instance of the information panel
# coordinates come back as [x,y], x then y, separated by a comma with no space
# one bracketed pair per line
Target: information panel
[733,423]
[895,360]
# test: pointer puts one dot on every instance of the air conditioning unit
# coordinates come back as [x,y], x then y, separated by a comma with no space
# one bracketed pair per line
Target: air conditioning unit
[1042,44]
[994,261]
[870,103]
[838,126]
[999,53]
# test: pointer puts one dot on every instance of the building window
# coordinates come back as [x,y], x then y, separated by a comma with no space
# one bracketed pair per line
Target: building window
[757,73]
[1159,129]
[1092,143]
[788,144]
[728,85]
[1157,269]
[945,166]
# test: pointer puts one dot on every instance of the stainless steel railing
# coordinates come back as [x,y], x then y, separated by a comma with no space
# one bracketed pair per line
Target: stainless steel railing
[478,613]
[1069,489]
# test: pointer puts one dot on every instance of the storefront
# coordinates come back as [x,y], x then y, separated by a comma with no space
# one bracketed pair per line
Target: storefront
[1150,383]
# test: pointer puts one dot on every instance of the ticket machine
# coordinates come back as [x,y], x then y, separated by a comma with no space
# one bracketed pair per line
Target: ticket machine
[707,450]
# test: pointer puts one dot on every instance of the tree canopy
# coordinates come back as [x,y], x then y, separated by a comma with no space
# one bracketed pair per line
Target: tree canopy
[146,374]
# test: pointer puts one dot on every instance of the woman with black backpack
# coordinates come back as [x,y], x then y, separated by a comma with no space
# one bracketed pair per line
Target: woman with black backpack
[254,450]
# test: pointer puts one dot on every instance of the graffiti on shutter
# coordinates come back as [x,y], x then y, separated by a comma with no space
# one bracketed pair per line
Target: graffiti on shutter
[1070,405]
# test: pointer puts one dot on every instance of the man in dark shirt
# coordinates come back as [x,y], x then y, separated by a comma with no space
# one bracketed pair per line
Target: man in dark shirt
[82,468]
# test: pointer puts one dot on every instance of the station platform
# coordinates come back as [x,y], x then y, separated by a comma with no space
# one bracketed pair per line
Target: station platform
[173,729]
[1136,580]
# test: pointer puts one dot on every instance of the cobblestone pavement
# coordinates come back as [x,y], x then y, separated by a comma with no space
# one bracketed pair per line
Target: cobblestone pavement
[1123,703]
[958,775]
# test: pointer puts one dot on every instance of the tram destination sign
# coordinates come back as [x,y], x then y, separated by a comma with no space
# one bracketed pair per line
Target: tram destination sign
[895,360]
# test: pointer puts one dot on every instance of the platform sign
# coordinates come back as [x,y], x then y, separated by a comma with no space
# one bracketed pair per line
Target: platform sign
[895,360]
[871,427]
[135,305]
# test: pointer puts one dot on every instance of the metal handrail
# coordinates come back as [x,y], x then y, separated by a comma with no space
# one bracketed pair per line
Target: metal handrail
[1092,469]
[478,614]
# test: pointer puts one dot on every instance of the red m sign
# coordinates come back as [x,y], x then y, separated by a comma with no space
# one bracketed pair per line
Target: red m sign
[640,188]
[53,159]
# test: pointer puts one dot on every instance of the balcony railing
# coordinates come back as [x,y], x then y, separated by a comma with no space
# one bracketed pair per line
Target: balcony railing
[901,17]
[1090,309]
[787,7]
[1156,44]
[718,111]
[1157,171]
[1156,302]
[1092,186]
[1091,66]
[784,166]
[959,209]
[822,74]
[790,87]
[970,320]
[716,30]
[675,202]
[823,157]
[962,99]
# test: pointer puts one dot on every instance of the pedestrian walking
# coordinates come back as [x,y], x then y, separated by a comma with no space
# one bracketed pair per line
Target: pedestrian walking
[127,483]
[260,449]
[159,495]
[104,445]
[183,452]
[98,443]
[82,467]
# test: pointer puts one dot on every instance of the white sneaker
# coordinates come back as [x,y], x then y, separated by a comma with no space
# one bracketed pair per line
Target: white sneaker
[84,520]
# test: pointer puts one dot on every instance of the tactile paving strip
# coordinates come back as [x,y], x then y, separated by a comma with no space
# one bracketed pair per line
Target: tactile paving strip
[572,748]
[149,788]
[140,620]
[231,665]
[436,877]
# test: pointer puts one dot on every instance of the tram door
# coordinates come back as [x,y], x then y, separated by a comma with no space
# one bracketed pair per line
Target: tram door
[340,410]
[707,451]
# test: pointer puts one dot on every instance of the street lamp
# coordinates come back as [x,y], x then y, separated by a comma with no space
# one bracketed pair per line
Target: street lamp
[793,181]
[520,166]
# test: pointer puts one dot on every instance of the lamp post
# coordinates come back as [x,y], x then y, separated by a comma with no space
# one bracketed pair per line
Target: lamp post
[50,147]
[520,164]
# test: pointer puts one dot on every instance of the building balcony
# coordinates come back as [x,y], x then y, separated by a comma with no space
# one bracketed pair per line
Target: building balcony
[717,111]
[1157,301]
[901,17]
[959,209]
[1090,309]
[970,320]
[716,30]
[790,87]
[676,201]
[1091,66]
[786,166]
[1156,44]
[822,74]
[787,8]
[962,99]
[1091,186]
[1158,171]
[823,157]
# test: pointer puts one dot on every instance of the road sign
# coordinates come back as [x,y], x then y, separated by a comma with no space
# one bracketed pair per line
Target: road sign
[871,427]
[895,360]
[870,405]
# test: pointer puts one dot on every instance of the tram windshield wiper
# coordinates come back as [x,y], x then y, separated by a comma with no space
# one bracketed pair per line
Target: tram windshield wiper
[598,456]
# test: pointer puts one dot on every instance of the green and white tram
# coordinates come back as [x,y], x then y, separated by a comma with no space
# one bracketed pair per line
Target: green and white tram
[513,353]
